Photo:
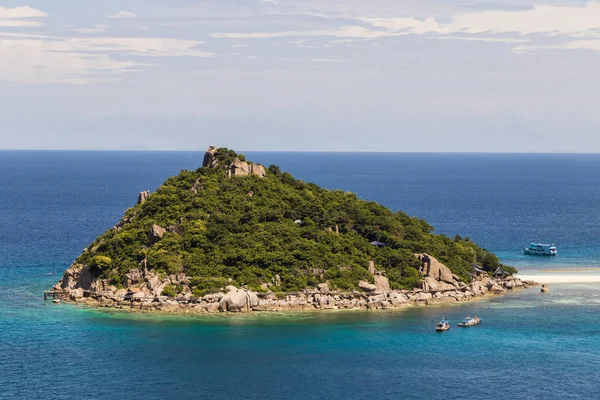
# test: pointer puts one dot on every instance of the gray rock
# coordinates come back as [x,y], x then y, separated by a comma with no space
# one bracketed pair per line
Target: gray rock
[366,286]
[76,294]
[372,267]
[209,158]
[323,287]
[156,233]
[238,300]
[133,277]
[143,196]
[545,289]
[259,170]
[382,284]
[436,269]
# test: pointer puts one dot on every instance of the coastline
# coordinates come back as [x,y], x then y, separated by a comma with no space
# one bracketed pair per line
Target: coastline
[580,276]
[308,301]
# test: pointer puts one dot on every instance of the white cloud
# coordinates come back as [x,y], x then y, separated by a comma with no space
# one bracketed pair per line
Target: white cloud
[94,29]
[539,21]
[43,61]
[593,45]
[156,47]
[31,59]
[15,23]
[21,12]
[123,14]
[13,17]
[481,39]
[346,32]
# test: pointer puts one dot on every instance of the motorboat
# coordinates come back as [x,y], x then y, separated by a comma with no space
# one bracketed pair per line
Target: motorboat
[540,249]
[442,326]
[469,321]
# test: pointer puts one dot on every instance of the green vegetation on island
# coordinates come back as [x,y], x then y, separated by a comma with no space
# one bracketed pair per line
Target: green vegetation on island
[233,222]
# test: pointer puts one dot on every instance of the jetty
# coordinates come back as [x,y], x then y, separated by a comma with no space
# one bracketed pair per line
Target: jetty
[56,294]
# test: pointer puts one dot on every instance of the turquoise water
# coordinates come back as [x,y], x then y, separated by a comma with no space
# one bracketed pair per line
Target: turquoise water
[52,204]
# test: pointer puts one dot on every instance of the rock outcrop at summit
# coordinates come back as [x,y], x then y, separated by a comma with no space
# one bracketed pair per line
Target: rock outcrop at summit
[237,167]
[240,168]
[210,161]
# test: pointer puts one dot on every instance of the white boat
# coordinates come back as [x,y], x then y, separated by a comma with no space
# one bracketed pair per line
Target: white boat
[540,249]
[442,326]
[468,322]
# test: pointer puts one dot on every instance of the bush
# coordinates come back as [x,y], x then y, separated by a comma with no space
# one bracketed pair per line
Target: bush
[169,291]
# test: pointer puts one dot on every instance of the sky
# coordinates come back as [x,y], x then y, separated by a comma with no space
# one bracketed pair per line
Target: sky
[301,75]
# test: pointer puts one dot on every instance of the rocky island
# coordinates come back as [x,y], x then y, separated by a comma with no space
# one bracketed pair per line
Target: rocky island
[235,236]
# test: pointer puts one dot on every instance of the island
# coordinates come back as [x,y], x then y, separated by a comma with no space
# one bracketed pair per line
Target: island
[235,236]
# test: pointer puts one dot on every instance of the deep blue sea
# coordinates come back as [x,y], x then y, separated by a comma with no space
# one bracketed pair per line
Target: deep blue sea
[53,204]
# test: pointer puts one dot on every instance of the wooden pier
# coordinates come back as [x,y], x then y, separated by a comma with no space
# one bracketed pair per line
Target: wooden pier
[55,294]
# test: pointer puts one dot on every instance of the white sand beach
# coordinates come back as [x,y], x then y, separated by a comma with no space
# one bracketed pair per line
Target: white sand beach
[563,275]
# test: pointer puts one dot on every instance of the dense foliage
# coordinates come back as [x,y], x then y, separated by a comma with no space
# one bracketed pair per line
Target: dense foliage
[248,229]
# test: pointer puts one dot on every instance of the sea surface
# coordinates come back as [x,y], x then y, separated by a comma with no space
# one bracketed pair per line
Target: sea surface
[53,204]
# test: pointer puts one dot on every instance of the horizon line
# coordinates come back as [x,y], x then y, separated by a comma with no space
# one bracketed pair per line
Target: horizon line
[300,151]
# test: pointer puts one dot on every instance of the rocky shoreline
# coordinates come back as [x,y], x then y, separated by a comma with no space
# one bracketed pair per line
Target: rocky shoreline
[146,291]
[314,299]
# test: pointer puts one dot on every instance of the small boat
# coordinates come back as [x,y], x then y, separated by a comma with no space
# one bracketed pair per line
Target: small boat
[56,301]
[540,249]
[442,326]
[468,322]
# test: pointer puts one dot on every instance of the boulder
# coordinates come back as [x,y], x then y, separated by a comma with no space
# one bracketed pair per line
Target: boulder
[382,284]
[259,170]
[133,277]
[242,168]
[176,229]
[76,294]
[143,196]
[238,300]
[366,286]
[238,168]
[422,296]
[429,283]
[323,287]
[398,298]
[152,281]
[436,269]
[138,295]
[84,279]
[497,289]
[476,288]
[545,289]
[378,298]
[442,299]
[210,160]
[326,302]
[156,233]
[372,267]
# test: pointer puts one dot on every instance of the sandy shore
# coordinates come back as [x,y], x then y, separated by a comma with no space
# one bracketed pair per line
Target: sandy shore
[576,275]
